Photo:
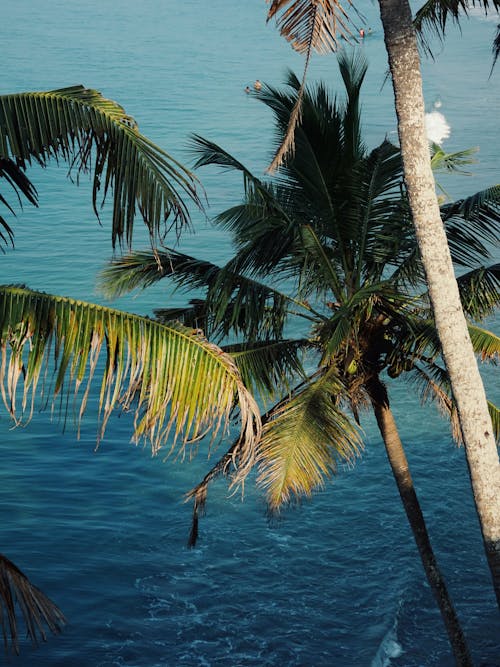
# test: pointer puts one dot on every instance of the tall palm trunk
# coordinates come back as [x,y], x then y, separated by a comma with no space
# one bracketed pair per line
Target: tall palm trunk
[401,472]
[467,387]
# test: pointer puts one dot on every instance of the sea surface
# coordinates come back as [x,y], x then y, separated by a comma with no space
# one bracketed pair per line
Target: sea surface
[338,582]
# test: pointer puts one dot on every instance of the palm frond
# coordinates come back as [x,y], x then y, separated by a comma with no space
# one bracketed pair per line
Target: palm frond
[269,366]
[224,466]
[324,23]
[495,419]
[195,315]
[308,26]
[79,125]
[318,271]
[485,343]
[38,612]
[434,16]
[287,146]
[385,234]
[480,291]
[178,385]
[472,226]
[451,162]
[495,49]
[246,307]
[353,67]
[261,207]
[141,269]
[327,136]
[434,386]
[303,441]
[207,153]
[231,301]
[21,185]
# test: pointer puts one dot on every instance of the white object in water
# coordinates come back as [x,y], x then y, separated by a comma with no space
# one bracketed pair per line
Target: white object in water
[437,127]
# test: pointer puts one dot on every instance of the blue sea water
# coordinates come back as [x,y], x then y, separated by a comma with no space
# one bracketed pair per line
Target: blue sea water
[338,581]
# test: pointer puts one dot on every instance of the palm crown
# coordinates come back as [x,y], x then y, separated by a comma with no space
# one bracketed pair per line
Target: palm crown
[330,243]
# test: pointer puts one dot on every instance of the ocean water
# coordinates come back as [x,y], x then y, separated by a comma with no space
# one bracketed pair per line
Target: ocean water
[338,581]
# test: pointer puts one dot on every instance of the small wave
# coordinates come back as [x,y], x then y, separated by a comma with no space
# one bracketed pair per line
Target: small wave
[389,646]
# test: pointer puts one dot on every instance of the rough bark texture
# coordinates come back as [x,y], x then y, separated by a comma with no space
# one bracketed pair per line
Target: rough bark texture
[401,472]
[467,386]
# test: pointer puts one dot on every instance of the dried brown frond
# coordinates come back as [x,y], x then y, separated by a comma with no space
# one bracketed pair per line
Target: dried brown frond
[324,24]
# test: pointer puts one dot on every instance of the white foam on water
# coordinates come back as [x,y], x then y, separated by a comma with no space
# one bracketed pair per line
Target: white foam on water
[437,126]
[389,647]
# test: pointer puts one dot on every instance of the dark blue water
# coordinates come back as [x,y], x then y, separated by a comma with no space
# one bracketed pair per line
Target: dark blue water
[338,581]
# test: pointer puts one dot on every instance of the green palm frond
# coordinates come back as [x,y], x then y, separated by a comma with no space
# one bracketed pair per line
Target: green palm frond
[324,150]
[232,302]
[179,386]
[266,243]
[141,269]
[353,67]
[434,16]
[246,307]
[91,132]
[261,222]
[418,340]
[454,162]
[21,185]
[442,162]
[37,610]
[480,291]
[313,154]
[207,153]
[495,419]
[434,386]
[434,383]
[319,272]
[385,233]
[194,315]
[472,226]
[269,366]
[303,441]
[485,343]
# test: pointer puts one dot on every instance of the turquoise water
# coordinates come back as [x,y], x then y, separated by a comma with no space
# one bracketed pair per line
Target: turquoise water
[103,533]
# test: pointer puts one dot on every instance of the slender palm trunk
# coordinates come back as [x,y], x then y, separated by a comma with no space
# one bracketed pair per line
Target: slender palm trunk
[467,387]
[401,472]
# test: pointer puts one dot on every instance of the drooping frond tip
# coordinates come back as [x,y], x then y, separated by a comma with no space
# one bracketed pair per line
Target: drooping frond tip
[17,593]
[21,185]
[198,494]
[434,16]
[495,49]
[179,386]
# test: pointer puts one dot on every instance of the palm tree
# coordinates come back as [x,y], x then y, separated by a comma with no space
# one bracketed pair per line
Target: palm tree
[329,244]
[178,385]
[318,24]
